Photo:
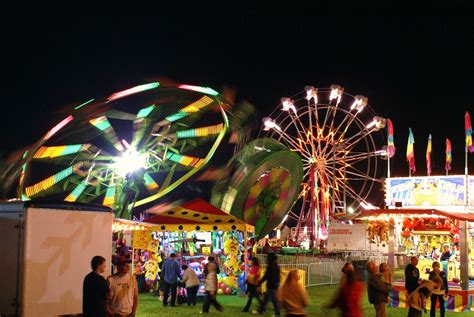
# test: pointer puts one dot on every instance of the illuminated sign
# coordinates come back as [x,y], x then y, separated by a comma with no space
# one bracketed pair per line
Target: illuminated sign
[428,191]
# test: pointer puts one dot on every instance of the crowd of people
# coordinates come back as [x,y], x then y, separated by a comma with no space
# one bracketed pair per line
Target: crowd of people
[379,287]
[118,294]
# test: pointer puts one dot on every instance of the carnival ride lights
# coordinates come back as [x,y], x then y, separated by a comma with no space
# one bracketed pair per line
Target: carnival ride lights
[129,162]
[331,131]
[172,131]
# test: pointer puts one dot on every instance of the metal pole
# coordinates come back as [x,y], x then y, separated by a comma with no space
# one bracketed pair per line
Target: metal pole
[464,260]
[388,164]
[312,207]
[466,192]
[344,173]
[391,244]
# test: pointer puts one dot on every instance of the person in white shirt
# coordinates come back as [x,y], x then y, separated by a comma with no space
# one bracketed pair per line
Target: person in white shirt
[191,281]
[123,295]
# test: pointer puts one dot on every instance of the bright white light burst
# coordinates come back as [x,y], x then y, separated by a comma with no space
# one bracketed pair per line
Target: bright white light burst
[129,162]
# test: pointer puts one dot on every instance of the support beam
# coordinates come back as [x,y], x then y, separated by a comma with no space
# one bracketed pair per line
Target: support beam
[464,261]
[391,244]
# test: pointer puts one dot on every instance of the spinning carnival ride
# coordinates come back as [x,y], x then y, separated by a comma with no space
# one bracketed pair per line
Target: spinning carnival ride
[341,143]
[127,150]
[136,146]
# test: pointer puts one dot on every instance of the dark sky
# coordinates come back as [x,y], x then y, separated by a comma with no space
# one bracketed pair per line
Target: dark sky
[418,71]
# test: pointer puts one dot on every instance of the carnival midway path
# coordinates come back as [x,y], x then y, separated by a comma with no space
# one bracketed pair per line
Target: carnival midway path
[149,305]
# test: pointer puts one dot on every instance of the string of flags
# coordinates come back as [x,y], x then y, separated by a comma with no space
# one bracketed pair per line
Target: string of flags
[410,151]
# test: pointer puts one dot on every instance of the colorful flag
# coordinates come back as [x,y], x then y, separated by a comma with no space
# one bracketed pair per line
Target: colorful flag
[428,156]
[468,127]
[411,151]
[449,157]
[391,144]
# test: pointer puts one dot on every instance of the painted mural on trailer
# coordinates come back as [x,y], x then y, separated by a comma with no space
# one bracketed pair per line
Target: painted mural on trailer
[429,191]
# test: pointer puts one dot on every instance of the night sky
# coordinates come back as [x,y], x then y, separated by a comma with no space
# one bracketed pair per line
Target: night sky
[416,71]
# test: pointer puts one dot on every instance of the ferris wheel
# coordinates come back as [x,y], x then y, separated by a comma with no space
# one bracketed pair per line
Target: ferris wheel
[128,149]
[340,141]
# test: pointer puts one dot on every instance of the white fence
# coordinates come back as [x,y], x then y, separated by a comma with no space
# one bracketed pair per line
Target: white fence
[317,273]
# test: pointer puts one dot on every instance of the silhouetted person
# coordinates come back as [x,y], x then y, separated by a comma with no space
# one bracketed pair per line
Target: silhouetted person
[272,276]
[95,289]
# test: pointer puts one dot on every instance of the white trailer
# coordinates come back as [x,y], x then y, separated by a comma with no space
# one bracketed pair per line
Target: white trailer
[45,254]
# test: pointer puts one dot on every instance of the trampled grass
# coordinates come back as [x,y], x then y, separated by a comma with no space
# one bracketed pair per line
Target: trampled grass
[149,305]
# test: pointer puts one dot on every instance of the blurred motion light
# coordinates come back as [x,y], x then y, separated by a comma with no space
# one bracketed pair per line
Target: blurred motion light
[378,123]
[129,162]
[268,124]
[288,104]
[311,92]
[204,90]
[336,93]
[132,91]
[360,103]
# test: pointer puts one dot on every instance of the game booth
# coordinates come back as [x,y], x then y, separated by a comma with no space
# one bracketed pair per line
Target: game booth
[433,219]
[192,231]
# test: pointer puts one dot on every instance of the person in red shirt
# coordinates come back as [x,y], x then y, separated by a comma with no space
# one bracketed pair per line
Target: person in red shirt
[349,295]
[253,278]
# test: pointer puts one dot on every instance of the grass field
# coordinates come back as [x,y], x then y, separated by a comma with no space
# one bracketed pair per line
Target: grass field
[149,305]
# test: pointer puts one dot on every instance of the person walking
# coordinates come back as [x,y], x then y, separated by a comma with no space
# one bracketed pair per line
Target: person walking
[412,275]
[293,296]
[95,290]
[440,290]
[345,268]
[348,296]
[377,291]
[171,274]
[191,282]
[272,277]
[210,283]
[252,281]
[123,295]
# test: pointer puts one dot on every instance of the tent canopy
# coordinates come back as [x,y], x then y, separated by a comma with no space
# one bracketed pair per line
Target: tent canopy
[417,211]
[197,215]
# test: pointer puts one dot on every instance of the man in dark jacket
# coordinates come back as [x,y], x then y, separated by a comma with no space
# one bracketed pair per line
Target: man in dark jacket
[95,290]
[412,275]
[377,291]
[171,273]
[272,276]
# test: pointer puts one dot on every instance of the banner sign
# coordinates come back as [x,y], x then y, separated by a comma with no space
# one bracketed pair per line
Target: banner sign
[426,191]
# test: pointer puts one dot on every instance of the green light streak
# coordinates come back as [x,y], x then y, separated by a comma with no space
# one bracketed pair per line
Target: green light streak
[83,104]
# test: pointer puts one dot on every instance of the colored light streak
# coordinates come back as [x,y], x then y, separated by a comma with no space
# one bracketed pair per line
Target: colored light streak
[83,104]
[58,127]
[132,91]
[204,90]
